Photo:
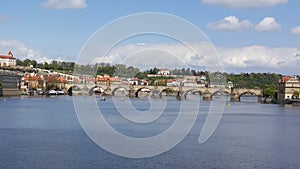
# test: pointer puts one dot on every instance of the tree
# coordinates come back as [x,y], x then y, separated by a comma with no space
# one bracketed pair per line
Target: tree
[107,69]
[141,75]
[154,71]
[269,90]
[19,62]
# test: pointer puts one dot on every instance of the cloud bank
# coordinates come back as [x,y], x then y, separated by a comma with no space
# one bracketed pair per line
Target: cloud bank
[65,4]
[250,58]
[245,3]
[245,59]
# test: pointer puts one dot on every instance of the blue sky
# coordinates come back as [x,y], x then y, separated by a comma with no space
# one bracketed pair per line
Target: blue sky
[258,35]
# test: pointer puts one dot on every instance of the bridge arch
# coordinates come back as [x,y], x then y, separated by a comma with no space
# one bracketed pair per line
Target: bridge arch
[220,92]
[167,91]
[142,89]
[249,92]
[119,88]
[192,91]
[74,89]
[96,89]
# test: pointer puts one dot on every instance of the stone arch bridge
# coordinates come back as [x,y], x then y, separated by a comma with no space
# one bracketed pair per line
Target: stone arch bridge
[158,91]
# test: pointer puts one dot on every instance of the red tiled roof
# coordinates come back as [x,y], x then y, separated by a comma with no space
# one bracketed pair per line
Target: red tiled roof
[111,79]
[32,78]
[62,80]
[6,57]
[285,78]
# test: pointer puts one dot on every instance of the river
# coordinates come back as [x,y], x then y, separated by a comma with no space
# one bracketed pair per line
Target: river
[44,132]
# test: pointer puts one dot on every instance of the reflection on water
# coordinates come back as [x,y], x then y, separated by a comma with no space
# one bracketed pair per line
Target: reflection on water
[249,98]
[45,133]
[221,98]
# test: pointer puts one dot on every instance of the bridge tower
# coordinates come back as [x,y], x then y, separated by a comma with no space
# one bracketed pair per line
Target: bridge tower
[180,94]
[132,91]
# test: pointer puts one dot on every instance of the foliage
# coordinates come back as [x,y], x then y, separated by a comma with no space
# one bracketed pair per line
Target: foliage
[187,71]
[254,80]
[26,62]
[54,65]
[85,69]
[270,90]
[124,71]
[154,71]
[169,91]
[141,75]
[158,82]
[106,69]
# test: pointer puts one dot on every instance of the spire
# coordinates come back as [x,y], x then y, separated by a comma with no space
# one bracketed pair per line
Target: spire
[10,54]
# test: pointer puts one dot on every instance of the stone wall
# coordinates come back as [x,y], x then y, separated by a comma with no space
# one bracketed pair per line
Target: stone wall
[8,93]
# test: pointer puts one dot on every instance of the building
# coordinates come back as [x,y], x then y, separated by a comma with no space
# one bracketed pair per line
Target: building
[164,71]
[105,79]
[172,82]
[10,85]
[7,60]
[288,88]
[32,81]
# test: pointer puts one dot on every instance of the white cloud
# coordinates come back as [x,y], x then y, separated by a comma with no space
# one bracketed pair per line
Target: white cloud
[65,4]
[267,24]
[250,58]
[20,51]
[261,57]
[245,3]
[296,30]
[230,23]
[163,55]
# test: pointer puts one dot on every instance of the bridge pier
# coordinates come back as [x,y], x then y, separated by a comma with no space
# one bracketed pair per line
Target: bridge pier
[206,95]
[234,97]
[132,93]
[107,91]
[155,94]
[180,96]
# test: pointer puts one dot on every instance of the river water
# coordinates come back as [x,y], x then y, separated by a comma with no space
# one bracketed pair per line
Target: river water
[45,133]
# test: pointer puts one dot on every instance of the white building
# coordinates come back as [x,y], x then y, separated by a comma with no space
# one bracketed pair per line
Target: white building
[7,60]
[164,71]
[288,86]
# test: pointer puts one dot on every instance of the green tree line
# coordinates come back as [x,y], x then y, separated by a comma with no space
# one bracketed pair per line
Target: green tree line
[54,65]
[266,81]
